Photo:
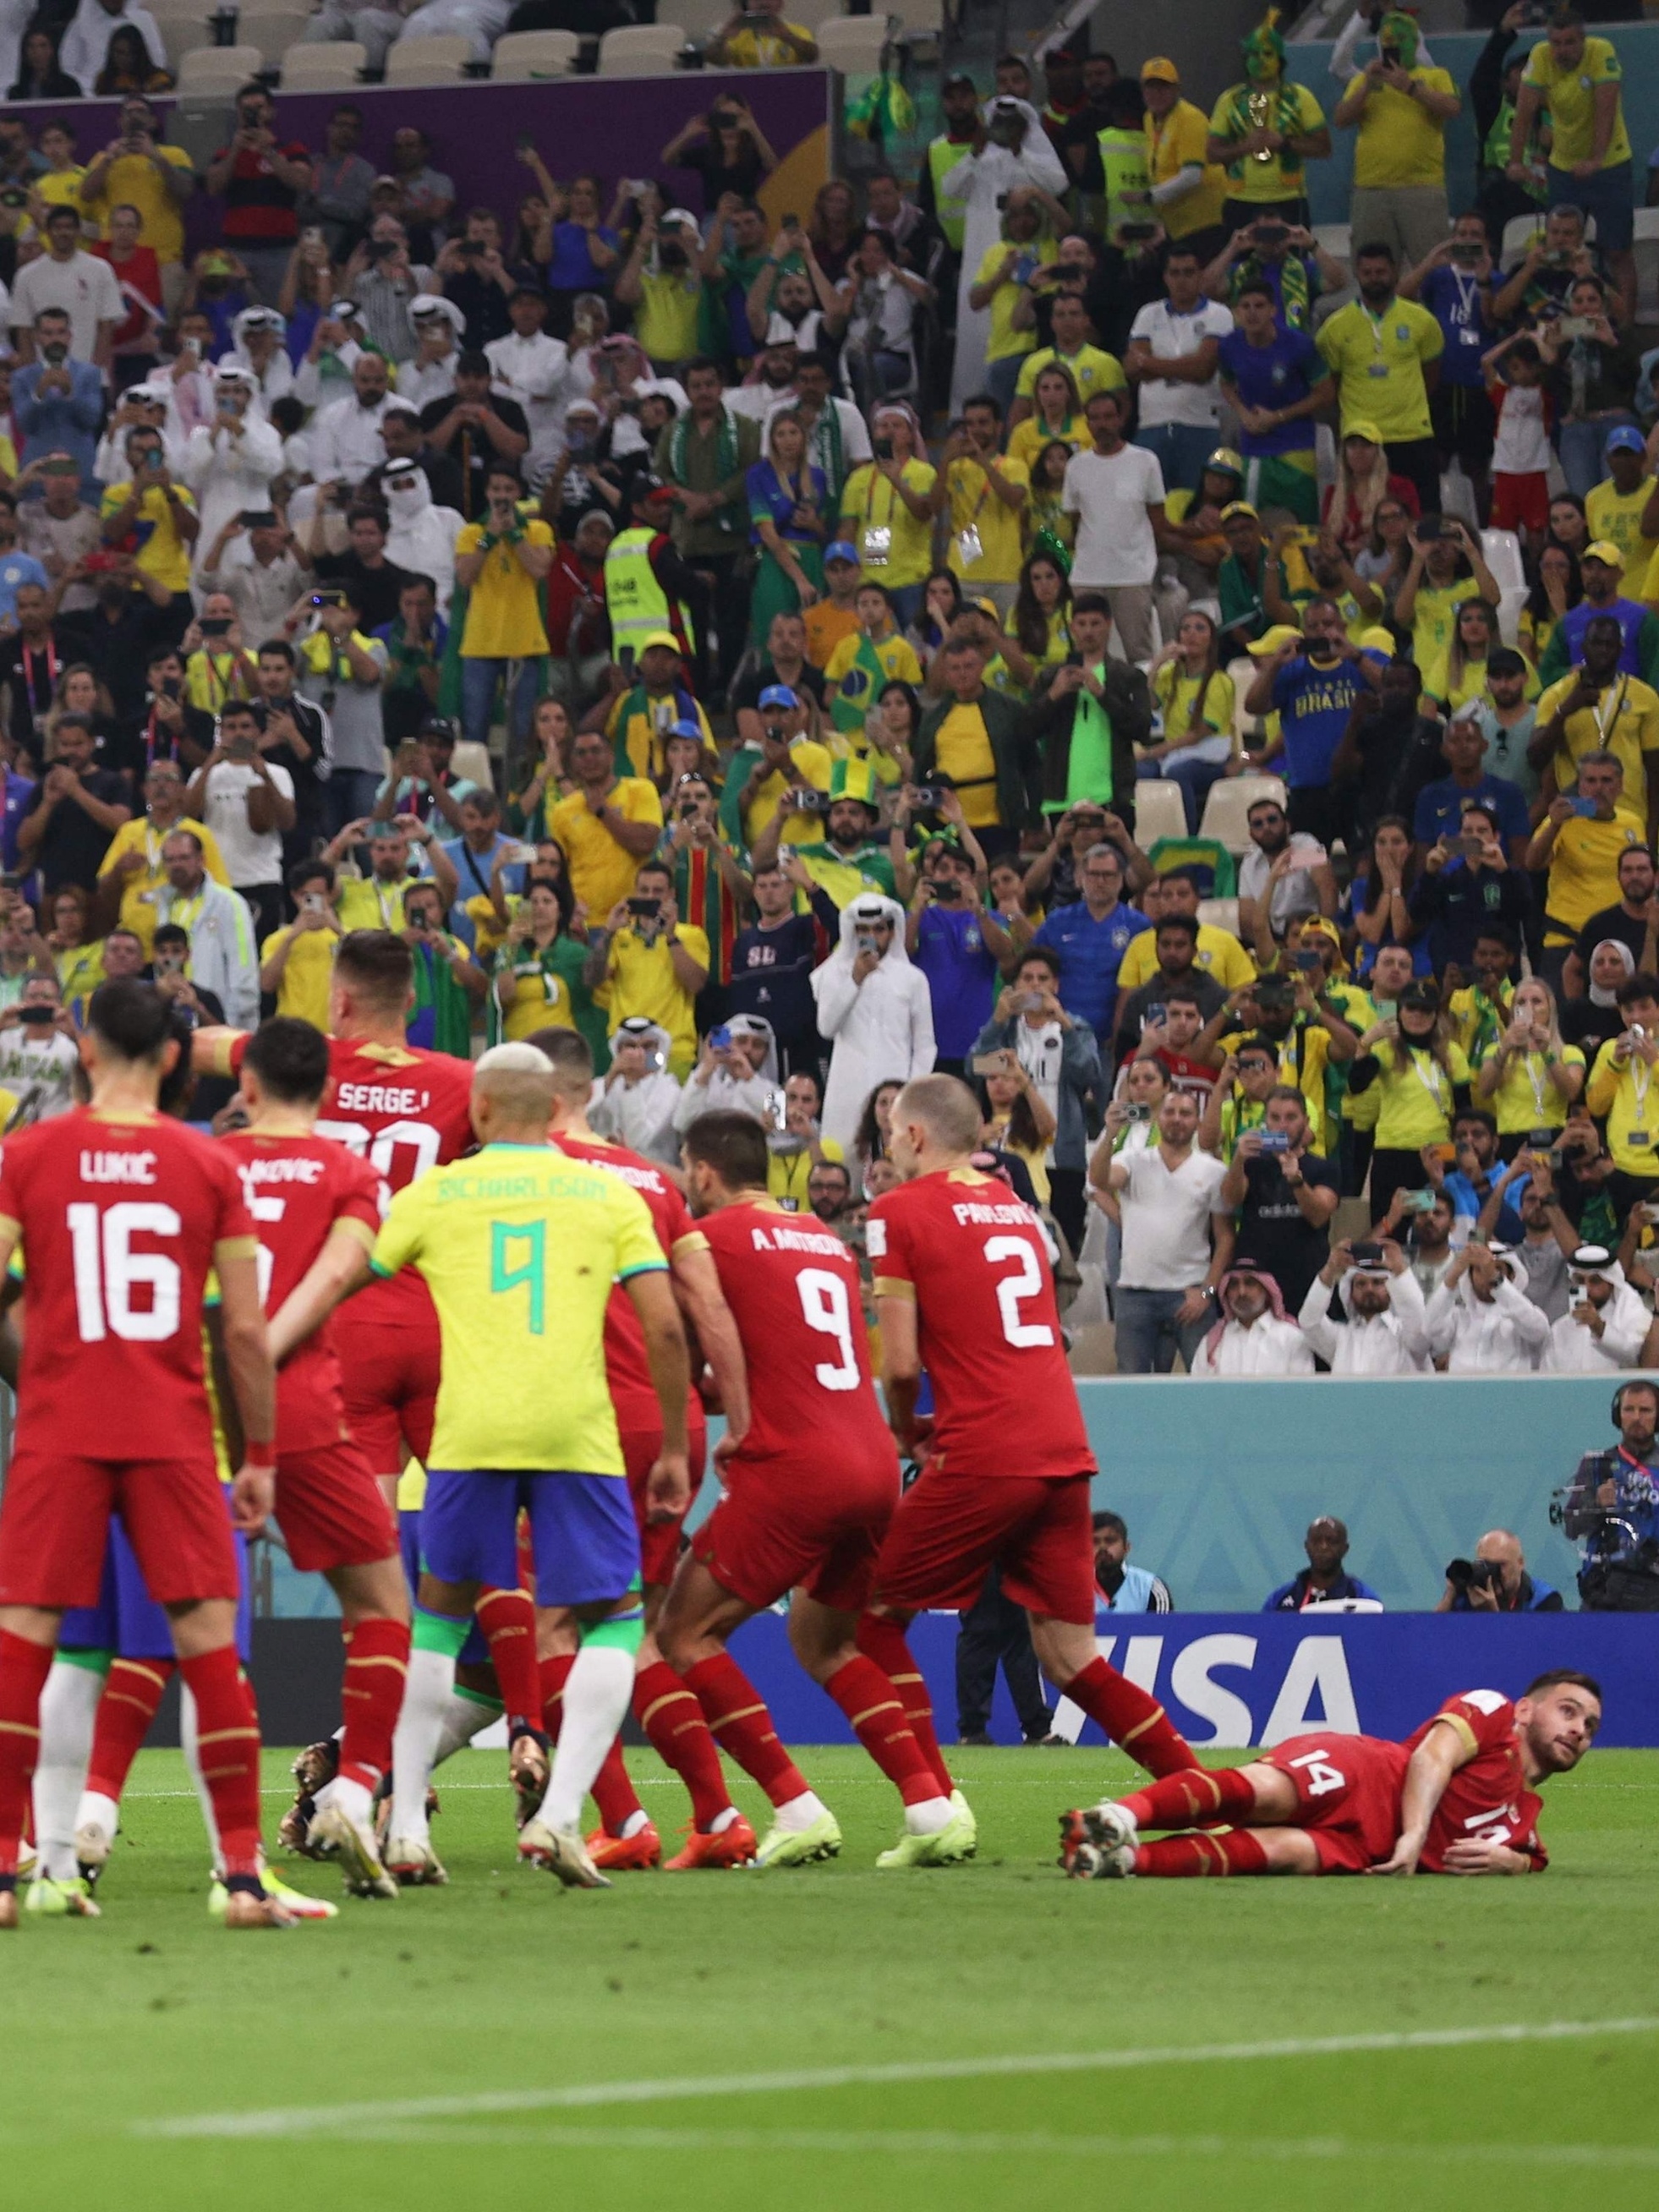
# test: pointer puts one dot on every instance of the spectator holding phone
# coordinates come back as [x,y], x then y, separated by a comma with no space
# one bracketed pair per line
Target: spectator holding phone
[1059,1056]
[248,803]
[1529,1077]
[1468,886]
[37,1054]
[1178,1242]
[645,962]
[1599,708]
[1480,1320]
[1579,841]
[1386,1331]
[956,942]
[1284,1195]
[1423,1080]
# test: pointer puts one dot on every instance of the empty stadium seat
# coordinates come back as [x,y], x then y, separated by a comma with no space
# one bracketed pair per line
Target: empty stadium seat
[427,61]
[522,56]
[273,30]
[853,43]
[330,65]
[640,50]
[1160,812]
[1227,807]
[216,65]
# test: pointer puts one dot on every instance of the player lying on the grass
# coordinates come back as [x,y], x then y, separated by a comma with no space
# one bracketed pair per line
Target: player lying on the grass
[519,1247]
[1458,1797]
[809,1492]
[122,1215]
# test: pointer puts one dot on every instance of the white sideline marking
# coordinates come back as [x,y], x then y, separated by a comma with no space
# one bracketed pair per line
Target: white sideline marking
[327,2119]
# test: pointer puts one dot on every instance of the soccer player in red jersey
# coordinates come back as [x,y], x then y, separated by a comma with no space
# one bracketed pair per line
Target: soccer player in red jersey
[963,1290]
[672,1719]
[1460,1795]
[809,1492]
[404,1110]
[316,1209]
[123,1214]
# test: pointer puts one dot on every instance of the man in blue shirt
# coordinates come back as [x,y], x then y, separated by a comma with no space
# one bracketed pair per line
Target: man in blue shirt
[1601,566]
[1454,284]
[16,569]
[1279,381]
[1322,1581]
[58,402]
[1611,1508]
[958,947]
[1310,682]
[473,856]
[1441,806]
[1091,938]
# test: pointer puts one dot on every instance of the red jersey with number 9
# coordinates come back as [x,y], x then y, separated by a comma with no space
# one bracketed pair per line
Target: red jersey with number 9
[403,1111]
[975,1259]
[793,1291]
[121,1220]
[299,1190]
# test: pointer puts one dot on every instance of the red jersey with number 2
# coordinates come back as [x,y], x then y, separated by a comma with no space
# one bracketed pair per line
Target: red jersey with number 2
[1488,1796]
[793,1292]
[403,1111]
[121,1221]
[627,1368]
[299,1190]
[975,1259]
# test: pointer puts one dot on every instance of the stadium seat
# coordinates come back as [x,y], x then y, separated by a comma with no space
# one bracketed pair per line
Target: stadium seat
[1228,806]
[204,66]
[522,56]
[427,61]
[1647,264]
[273,30]
[471,760]
[923,19]
[855,44]
[640,50]
[330,65]
[182,32]
[1160,812]
[1336,238]
[1502,551]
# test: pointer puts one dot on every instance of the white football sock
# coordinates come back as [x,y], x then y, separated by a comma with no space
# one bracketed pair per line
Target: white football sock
[596,1701]
[69,1709]
[187,1738]
[800,1812]
[429,1694]
[97,1811]
[463,1718]
[928,1817]
[354,1799]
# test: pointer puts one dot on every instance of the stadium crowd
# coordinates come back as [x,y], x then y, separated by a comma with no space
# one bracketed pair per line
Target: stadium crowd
[583,590]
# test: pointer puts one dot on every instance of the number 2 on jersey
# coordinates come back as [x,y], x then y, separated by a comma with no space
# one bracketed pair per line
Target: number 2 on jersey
[107,1271]
[1026,1282]
[824,1308]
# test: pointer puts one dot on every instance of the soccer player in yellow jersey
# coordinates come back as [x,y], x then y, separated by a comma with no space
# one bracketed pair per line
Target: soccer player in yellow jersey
[519,1247]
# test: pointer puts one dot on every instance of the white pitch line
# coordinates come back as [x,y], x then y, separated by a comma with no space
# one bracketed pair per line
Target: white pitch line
[939,2143]
[328,2119]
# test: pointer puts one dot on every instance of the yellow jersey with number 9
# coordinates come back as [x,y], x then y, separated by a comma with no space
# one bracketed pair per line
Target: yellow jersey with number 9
[520,1246]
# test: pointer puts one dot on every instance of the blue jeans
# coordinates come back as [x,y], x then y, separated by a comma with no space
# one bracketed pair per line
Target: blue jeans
[479,678]
[348,794]
[1583,461]
[1182,449]
[1195,778]
[1148,1335]
[1001,378]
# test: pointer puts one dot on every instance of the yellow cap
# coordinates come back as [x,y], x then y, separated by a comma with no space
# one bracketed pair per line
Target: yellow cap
[1604,549]
[1270,641]
[1225,459]
[1368,431]
[1160,70]
[1239,506]
[659,637]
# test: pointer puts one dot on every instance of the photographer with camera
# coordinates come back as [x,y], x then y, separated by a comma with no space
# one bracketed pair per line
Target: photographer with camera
[1611,1509]
[341,671]
[1284,1195]
[37,1054]
[647,962]
[1496,1580]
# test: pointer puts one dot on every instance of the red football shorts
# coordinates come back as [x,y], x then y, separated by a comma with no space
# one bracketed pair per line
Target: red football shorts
[54,1518]
[951,1529]
[1348,1796]
[659,1540]
[766,1537]
[331,1509]
[1521,503]
[389,1382]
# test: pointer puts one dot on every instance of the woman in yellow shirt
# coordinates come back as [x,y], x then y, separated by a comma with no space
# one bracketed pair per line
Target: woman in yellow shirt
[1560,587]
[1529,1078]
[530,990]
[1047,520]
[1037,636]
[1059,415]
[1474,639]
[1423,1079]
[80,965]
[886,512]
[1196,696]
[1018,1121]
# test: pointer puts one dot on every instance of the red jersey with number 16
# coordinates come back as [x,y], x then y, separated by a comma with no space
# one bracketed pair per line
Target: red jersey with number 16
[793,1291]
[299,1190]
[627,1368]
[121,1219]
[974,1258]
[403,1111]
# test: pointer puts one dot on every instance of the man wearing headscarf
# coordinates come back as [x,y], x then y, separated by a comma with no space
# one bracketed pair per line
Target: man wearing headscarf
[1481,1320]
[420,537]
[1605,1327]
[1010,148]
[85,46]
[1386,1331]
[1400,105]
[1254,1335]
[874,1008]
[736,1076]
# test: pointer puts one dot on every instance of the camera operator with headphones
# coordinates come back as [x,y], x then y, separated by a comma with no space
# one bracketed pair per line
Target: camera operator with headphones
[1496,1580]
[1611,1509]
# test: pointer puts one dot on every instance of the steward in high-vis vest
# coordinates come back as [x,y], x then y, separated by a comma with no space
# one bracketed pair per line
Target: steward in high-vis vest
[960,104]
[647,585]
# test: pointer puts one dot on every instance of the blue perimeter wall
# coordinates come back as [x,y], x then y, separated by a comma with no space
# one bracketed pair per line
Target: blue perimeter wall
[1330,183]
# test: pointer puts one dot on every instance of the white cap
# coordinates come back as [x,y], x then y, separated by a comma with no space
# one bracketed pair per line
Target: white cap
[426,304]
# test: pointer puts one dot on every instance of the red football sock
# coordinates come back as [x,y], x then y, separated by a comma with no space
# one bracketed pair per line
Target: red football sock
[742,1726]
[507,1618]
[883,1641]
[671,1718]
[1134,1721]
[1176,1858]
[23,1670]
[371,1697]
[1185,1801]
[227,1739]
[873,1706]
[555,1674]
[614,1793]
[131,1699]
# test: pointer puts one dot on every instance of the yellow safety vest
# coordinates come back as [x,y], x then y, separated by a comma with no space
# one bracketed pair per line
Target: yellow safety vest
[951,207]
[633,599]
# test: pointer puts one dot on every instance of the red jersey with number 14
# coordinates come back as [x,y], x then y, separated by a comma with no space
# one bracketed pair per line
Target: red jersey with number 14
[299,1190]
[403,1111]
[627,1368]
[974,1258]
[793,1291]
[121,1220]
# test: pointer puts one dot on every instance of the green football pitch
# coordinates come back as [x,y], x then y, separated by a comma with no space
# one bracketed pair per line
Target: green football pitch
[988,2036]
